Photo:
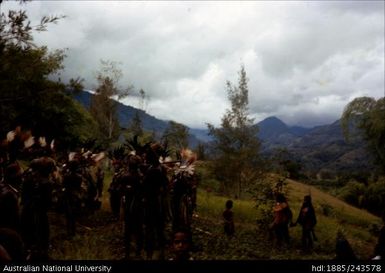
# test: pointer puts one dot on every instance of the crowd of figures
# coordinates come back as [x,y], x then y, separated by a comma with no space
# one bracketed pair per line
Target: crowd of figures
[147,188]
[72,185]
[153,190]
[148,192]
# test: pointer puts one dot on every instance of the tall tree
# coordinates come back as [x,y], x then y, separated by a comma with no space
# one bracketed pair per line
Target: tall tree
[176,135]
[143,99]
[369,115]
[28,95]
[136,127]
[236,146]
[104,102]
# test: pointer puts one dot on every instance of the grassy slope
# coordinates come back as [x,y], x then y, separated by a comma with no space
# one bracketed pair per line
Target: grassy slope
[332,214]
[100,237]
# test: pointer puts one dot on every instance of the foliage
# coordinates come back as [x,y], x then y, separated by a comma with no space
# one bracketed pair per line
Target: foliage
[288,166]
[264,215]
[207,179]
[369,115]
[176,136]
[326,209]
[200,150]
[237,163]
[136,127]
[28,97]
[374,199]
[103,104]
[362,176]
[293,168]
[353,193]
[144,98]
[16,29]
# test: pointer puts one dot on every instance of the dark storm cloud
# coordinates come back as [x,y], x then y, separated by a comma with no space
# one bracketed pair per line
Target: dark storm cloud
[305,60]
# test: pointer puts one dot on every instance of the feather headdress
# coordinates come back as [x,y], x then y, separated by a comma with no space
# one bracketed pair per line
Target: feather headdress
[188,157]
[42,142]
[29,142]
[11,136]
[71,156]
[119,153]
[98,157]
[187,166]
[136,147]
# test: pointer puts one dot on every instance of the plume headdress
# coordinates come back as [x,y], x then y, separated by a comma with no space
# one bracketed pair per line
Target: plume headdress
[187,165]
[118,154]
[22,141]
[135,147]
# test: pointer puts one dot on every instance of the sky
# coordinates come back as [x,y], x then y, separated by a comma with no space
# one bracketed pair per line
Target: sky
[305,60]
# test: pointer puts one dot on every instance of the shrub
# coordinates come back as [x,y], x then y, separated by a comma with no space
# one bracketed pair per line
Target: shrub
[374,198]
[326,209]
[353,192]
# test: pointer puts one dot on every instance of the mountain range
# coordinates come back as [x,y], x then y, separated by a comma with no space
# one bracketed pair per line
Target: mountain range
[321,148]
[318,148]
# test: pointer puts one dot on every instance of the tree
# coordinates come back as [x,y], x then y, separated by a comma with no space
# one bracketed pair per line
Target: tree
[353,193]
[28,97]
[200,150]
[136,128]
[16,29]
[374,198]
[176,135]
[369,116]
[136,125]
[236,147]
[143,100]
[285,164]
[104,102]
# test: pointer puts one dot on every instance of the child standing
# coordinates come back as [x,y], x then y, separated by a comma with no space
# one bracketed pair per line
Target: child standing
[228,218]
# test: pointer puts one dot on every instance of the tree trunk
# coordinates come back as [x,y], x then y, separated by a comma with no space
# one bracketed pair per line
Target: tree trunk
[110,126]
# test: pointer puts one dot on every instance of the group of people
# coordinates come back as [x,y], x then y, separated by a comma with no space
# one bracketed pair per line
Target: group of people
[73,185]
[149,190]
[307,219]
[283,219]
[27,223]
[80,188]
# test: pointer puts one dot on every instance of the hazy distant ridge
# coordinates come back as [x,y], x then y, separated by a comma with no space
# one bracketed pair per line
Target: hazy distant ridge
[320,147]
[149,122]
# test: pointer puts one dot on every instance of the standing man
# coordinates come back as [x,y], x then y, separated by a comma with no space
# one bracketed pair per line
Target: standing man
[36,201]
[307,220]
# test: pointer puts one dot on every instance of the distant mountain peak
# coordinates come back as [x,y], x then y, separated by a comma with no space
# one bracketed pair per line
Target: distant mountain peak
[274,130]
[271,127]
[273,119]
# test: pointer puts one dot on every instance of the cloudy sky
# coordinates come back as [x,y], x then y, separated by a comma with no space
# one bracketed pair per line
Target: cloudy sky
[305,60]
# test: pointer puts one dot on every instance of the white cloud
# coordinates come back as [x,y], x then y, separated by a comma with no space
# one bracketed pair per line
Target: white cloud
[305,60]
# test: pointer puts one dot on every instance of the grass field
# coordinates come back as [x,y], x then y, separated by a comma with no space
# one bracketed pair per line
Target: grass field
[100,237]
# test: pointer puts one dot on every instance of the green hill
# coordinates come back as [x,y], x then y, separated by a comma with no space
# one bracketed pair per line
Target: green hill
[252,243]
[101,238]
